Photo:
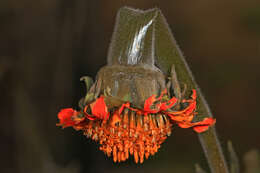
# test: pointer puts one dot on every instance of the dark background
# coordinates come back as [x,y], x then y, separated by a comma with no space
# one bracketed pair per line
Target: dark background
[47,45]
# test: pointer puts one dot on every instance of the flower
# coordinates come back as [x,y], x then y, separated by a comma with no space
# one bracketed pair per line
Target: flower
[126,130]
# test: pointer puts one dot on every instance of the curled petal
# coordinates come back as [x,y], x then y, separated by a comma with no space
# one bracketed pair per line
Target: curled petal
[148,103]
[163,106]
[190,108]
[204,125]
[187,111]
[199,127]
[167,105]
[181,118]
[184,117]
[65,117]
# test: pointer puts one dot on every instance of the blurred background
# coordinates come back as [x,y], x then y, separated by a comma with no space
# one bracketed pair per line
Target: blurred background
[47,45]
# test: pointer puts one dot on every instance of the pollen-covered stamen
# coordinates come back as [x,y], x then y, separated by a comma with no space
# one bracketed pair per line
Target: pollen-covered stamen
[129,134]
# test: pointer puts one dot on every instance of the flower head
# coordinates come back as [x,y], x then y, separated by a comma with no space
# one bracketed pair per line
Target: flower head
[126,130]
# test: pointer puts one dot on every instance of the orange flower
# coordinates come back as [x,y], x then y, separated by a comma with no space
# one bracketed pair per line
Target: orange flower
[132,131]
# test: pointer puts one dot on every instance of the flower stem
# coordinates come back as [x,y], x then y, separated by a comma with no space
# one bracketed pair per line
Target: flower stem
[213,151]
[211,145]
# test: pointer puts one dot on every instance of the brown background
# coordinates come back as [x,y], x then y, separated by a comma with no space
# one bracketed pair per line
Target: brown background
[47,45]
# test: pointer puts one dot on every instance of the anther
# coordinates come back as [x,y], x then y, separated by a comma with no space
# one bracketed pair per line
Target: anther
[114,153]
[136,156]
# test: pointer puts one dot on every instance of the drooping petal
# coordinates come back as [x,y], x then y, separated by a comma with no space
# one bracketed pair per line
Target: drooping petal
[200,126]
[181,118]
[187,111]
[65,117]
[184,117]
[204,125]
[190,108]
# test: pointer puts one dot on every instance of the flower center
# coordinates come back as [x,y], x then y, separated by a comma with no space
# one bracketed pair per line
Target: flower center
[129,133]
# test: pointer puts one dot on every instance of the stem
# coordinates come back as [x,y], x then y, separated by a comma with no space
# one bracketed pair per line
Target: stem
[211,145]
[213,151]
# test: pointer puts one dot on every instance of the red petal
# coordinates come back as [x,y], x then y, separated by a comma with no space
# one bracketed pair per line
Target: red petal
[99,109]
[190,108]
[204,125]
[200,129]
[181,119]
[65,117]
[166,105]
[198,126]
[185,125]
[149,102]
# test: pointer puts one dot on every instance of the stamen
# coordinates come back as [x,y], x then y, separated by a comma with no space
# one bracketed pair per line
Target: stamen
[115,153]
[136,156]
[129,133]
